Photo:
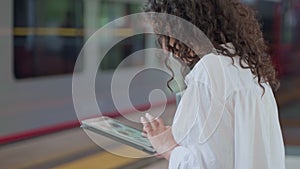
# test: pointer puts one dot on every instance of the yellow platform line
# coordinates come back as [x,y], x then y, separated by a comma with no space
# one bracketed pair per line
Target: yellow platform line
[25,31]
[103,160]
[68,32]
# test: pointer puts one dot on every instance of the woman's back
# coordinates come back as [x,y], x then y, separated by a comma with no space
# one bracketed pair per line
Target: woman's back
[246,136]
[258,140]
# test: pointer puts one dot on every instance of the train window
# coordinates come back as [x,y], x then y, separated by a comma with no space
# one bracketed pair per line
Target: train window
[123,49]
[47,36]
[110,10]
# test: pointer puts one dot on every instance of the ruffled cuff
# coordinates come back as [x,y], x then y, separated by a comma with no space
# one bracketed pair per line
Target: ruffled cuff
[179,157]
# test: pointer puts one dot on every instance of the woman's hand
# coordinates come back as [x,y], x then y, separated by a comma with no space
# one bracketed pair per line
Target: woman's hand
[159,135]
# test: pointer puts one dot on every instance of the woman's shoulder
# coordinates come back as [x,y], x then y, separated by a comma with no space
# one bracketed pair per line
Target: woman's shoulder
[204,68]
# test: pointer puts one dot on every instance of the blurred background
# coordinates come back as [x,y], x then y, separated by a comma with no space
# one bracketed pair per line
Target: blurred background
[40,41]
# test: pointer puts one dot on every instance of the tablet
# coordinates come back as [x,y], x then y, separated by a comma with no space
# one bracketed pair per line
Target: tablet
[118,131]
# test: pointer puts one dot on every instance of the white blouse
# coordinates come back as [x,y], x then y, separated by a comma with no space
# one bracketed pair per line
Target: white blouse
[224,122]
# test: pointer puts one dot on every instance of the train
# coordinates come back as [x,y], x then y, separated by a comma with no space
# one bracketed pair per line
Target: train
[41,40]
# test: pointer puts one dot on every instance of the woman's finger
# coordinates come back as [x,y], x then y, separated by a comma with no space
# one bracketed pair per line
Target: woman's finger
[160,122]
[144,134]
[149,117]
[146,125]
[154,124]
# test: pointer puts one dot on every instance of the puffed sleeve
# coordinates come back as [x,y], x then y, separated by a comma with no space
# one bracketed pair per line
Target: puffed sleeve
[198,116]
[192,108]
[195,102]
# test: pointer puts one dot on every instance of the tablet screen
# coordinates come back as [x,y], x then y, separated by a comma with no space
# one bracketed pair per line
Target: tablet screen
[116,128]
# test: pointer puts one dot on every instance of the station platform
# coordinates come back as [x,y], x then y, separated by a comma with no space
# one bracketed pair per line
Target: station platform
[73,149]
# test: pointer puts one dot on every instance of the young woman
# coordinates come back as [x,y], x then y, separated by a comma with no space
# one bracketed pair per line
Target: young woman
[245,132]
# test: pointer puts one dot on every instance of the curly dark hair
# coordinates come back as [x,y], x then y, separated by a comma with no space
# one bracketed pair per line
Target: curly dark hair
[222,21]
